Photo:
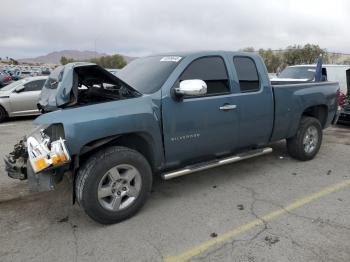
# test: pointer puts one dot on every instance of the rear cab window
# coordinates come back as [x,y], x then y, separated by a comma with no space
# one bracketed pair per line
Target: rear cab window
[247,74]
[212,70]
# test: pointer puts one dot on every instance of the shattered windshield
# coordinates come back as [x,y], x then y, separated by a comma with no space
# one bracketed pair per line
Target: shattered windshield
[148,74]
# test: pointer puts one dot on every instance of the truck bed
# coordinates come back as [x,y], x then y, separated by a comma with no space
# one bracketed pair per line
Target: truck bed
[292,100]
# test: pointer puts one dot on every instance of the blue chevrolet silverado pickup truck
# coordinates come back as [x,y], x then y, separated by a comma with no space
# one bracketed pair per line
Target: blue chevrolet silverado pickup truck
[167,115]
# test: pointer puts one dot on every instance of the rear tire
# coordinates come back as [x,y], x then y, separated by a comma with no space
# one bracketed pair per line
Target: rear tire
[113,184]
[307,142]
[3,114]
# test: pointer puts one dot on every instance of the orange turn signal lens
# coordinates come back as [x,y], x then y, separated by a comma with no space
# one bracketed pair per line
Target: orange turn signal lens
[55,159]
[58,158]
[63,157]
[40,163]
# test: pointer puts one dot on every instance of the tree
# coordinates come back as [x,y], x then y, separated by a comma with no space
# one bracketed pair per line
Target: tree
[66,60]
[292,55]
[13,61]
[114,61]
[273,60]
[248,49]
[333,58]
[306,54]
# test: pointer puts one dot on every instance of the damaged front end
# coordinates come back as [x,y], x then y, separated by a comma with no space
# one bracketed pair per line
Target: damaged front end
[16,162]
[42,158]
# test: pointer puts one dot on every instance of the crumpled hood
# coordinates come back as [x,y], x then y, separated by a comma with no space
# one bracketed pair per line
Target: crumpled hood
[61,88]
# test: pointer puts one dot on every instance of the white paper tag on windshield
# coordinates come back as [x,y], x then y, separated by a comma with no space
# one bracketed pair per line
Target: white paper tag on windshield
[171,59]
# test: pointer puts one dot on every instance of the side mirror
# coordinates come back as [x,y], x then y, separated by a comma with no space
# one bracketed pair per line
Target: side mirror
[193,87]
[19,89]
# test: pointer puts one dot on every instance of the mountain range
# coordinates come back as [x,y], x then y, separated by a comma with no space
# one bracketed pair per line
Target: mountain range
[55,57]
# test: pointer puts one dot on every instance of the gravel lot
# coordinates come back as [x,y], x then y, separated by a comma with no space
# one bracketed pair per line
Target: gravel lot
[207,216]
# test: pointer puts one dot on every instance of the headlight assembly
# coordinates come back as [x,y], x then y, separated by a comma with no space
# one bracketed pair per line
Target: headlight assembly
[46,147]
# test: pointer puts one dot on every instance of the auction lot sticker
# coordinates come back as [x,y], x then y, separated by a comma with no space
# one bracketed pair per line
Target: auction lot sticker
[171,59]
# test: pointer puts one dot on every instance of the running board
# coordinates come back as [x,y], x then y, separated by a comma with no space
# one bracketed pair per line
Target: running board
[216,163]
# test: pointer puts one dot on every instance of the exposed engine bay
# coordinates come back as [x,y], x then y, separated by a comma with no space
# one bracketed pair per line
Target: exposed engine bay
[82,84]
[96,85]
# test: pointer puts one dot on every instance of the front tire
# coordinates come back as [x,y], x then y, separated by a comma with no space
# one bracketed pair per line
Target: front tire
[113,184]
[307,142]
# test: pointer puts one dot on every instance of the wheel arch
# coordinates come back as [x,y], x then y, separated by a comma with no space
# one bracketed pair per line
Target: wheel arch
[319,112]
[139,141]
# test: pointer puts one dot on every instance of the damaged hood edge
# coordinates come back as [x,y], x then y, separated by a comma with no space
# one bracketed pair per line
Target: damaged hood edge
[67,84]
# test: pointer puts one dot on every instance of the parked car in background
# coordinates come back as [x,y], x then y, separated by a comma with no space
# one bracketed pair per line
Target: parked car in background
[340,74]
[20,98]
[167,115]
[35,71]
[306,73]
[45,71]
[15,73]
[5,79]
[26,72]
[344,116]
[272,75]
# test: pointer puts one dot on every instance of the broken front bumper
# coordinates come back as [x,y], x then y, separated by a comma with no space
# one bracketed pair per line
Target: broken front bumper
[16,162]
[21,169]
[40,160]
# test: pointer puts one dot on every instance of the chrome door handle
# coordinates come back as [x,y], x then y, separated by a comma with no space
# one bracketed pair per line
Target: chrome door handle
[227,107]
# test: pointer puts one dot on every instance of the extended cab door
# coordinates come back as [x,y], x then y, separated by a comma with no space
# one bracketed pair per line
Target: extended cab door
[200,127]
[255,100]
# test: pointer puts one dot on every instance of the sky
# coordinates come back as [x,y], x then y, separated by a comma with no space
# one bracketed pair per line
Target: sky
[137,28]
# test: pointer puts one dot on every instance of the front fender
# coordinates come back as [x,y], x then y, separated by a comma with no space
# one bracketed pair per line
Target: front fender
[83,125]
